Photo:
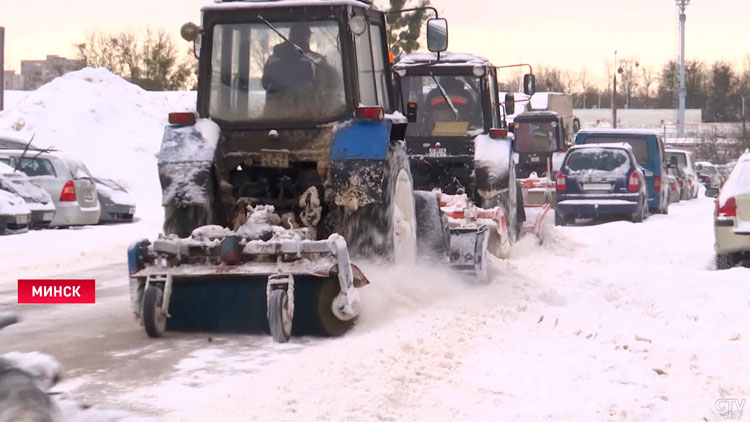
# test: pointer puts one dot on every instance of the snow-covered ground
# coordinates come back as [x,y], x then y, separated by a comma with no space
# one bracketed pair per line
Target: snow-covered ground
[617,321]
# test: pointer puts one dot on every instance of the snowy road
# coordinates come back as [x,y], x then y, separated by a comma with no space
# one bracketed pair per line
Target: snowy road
[616,321]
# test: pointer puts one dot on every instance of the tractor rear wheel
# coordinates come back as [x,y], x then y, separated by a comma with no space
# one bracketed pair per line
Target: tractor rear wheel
[387,229]
[182,220]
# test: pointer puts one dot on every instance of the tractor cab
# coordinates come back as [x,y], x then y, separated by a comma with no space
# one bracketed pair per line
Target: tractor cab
[448,103]
[538,135]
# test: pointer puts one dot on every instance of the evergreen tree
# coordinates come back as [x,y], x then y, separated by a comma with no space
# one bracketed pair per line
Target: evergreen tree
[404,29]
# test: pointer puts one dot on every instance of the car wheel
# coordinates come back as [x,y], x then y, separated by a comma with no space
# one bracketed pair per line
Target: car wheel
[724,261]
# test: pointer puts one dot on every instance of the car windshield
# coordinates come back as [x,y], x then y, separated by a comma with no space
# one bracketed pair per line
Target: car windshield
[640,145]
[257,76]
[601,159]
[435,117]
[536,136]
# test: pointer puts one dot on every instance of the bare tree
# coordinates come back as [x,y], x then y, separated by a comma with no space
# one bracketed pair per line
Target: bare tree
[585,81]
[648,77]
[151,61]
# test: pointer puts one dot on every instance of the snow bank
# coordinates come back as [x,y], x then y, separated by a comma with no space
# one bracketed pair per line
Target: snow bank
[111,125]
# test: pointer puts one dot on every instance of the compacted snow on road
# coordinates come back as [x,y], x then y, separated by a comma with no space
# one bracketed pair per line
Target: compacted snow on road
[615,321]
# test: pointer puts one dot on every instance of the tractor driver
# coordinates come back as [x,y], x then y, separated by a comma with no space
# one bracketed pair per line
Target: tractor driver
[292,79]
[462,99]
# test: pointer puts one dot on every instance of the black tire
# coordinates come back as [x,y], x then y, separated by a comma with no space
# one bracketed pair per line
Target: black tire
[520,210]
[641,214]
[433,233]
[560,219]
[277,308]
[154,319]
[329,324]
[369,230]
[182,220]
[724,261]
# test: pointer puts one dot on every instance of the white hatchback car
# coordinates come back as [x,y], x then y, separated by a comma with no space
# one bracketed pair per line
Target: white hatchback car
[732,216]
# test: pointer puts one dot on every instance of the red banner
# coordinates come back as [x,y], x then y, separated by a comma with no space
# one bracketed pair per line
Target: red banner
[56,291]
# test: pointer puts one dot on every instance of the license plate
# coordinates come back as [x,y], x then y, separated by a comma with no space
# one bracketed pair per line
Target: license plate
[596,186]
[274,158]
[534,159]
[437,152]
[22,219]
[47,216]
[131,210]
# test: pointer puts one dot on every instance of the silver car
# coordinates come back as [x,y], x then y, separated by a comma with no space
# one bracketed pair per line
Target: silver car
[67,180]
[37,199]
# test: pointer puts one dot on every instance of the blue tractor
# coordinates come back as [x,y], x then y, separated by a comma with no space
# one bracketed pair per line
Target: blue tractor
[293,160]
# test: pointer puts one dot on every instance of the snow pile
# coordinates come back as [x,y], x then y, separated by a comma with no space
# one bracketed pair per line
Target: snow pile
[113,126]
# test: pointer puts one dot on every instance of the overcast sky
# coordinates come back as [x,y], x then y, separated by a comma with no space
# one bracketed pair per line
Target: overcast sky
[569,34]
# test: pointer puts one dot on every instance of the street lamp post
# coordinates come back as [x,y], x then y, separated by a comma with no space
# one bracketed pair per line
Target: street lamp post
[614,94]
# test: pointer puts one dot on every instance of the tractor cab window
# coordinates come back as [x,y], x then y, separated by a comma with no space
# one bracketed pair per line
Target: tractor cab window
[446,105]
[371,67]
[256,75]
[536,136]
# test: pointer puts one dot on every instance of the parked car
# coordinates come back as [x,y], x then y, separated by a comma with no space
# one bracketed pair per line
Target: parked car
[708,174]
[116,203]
[686,162]
[674,188]
[724,171]
[732,216]
[14,214]
[600,180]
[37,199]
[66,179]
[648,148]
[680,181]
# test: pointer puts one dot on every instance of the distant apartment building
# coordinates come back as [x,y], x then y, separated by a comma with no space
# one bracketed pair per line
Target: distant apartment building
[36,73]
[13,81]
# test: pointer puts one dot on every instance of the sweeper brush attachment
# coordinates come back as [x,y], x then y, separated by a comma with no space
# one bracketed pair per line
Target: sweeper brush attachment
[260,277]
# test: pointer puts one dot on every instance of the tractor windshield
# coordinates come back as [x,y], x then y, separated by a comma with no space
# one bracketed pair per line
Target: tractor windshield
[257,75]
[452,113]
[536,136]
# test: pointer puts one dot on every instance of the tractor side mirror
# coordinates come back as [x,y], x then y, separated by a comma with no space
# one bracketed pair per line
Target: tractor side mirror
[510,103]
[576,124]
[437,35]
[190,32]
[411,112]
[529,84]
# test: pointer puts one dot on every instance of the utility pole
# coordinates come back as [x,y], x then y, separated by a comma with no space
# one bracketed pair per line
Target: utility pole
[614,94]
[682,4]
[2,68]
